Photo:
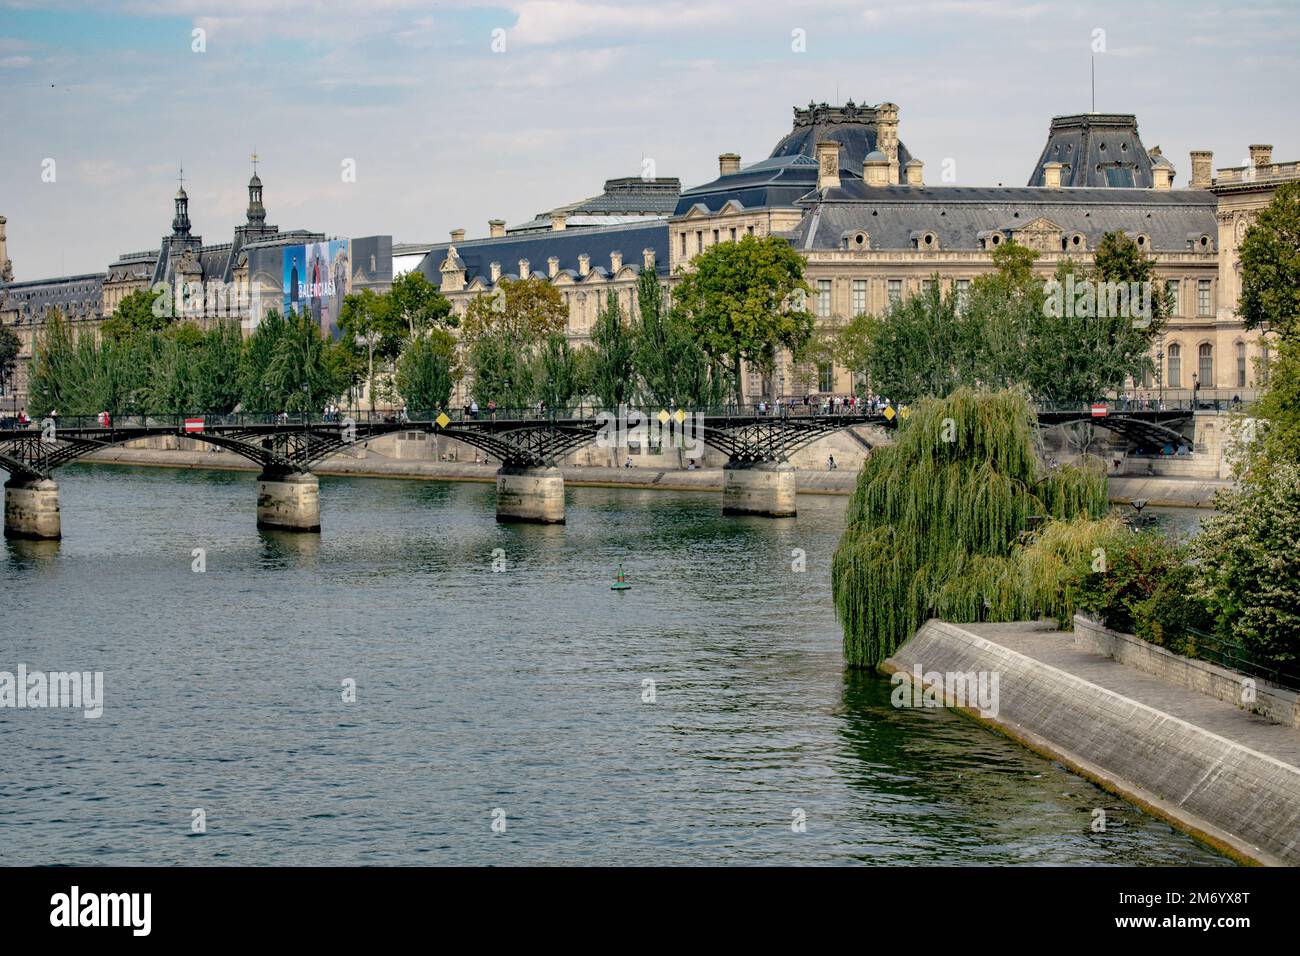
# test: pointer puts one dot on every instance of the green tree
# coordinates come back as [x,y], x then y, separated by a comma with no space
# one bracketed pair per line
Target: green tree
[739,300]
[503,332]
[502,372]
[612,374]
[10,346]
[1270,265]
[559,377]
[258,352]
[217,373]
[671,366]
[53,366]
[300,376]
[415,302]
[371,329]
[141,312]
[1249,565]
[427,371]
[935,525]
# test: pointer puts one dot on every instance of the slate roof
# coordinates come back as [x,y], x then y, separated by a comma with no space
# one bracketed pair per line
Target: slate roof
[74,296]
[1096,149]
[567,244]
[853,127]
[890,215]
[626,199]
[778,181]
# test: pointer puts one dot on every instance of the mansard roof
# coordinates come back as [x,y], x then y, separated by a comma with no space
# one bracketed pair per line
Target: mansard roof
[625,199]
[1100,150]
[775,181]
[75,296]
[566,245]
[958,215]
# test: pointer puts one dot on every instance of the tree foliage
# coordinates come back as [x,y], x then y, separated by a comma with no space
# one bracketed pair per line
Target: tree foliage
[428,371]
[1072,339]
[614,348]
[739,299]
[1270,265]
[936,522]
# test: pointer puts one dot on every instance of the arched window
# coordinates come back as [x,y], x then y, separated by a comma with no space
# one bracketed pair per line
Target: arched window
[1175,366]
[1241,364]
[1205,365]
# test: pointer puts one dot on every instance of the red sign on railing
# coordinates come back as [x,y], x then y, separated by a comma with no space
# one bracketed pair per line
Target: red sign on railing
[194,424]
[1100,409]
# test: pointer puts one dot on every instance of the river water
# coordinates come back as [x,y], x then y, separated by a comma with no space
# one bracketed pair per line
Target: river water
[515,697]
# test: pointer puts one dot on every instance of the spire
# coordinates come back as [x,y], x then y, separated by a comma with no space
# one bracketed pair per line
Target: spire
[256,211]
[181,221]
[6,267]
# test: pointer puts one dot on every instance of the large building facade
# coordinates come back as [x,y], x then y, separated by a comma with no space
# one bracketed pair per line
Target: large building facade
[204,283]
[845,191]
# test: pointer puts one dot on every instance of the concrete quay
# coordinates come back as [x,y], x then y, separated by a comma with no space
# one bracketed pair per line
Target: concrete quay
[1172,492]
[1226,775]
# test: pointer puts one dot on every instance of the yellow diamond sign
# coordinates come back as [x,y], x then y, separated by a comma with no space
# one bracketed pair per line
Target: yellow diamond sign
[680,416]
[902,411]
[442,420]
[889,413]
[663,417]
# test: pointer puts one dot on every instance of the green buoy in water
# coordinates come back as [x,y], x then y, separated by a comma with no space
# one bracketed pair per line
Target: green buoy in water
[620,580]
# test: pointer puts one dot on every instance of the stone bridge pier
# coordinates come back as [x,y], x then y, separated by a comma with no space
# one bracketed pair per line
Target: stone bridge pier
[764,488]
[530,493]
[288,501]
[32,509]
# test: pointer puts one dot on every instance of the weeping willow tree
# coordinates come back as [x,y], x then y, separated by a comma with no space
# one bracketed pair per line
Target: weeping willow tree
[939,523]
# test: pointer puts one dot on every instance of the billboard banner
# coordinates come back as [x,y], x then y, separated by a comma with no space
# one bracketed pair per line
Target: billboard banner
[316,278]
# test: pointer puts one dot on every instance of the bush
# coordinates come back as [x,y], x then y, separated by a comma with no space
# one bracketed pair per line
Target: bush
[1249,565]
[1173,609]
[1121,584]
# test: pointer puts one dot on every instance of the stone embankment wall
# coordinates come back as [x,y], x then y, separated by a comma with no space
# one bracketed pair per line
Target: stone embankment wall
[1234,797]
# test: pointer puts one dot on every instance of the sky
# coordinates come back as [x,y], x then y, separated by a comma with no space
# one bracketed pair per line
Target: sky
[455,113]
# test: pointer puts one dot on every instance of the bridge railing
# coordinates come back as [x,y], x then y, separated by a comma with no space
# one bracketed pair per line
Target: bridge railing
[1124,405]
[200,421]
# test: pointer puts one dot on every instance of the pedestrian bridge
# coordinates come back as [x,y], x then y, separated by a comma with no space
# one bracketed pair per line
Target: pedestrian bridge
[757,440]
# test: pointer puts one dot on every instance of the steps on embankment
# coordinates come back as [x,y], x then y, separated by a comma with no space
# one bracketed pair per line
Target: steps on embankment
[1229,777]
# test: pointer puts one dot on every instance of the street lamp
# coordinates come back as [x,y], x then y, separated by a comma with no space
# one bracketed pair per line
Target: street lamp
[1160,374]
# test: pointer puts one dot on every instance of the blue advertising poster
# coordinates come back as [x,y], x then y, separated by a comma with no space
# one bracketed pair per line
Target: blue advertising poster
[316,278]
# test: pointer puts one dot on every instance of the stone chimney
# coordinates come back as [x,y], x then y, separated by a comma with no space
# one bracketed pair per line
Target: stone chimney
[828,165]
[1261,155]
[915,170]
[458,235]
[728,163]
[1202,166]
[553,266]
[1052,175]
[584,264]
[525,269]
[615,261]
[875,171]
[559,221]
[887,137]
[494,270]
[648,259]
[1162,175]
[496,228]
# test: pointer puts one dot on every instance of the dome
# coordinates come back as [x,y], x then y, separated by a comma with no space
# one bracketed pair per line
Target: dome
[857,128]
[876,156]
